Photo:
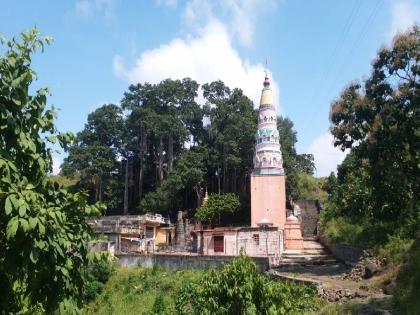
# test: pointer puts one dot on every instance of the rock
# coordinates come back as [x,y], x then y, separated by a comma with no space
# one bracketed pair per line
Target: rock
[380,311]
[389,288]
[370,270]
[360,294]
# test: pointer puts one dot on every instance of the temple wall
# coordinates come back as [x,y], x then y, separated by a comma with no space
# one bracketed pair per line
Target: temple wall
[182,261]
[268,192]
[255,242]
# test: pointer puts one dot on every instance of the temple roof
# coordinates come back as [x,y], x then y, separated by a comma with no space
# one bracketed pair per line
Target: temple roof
[267,93]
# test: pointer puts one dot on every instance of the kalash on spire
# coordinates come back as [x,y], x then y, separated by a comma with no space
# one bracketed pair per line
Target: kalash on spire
[268,192]
[267,159]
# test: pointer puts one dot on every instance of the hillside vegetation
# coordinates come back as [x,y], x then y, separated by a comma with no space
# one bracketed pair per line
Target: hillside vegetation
[238,288]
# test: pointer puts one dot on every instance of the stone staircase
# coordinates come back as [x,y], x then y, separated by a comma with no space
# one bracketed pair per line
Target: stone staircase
[313,253]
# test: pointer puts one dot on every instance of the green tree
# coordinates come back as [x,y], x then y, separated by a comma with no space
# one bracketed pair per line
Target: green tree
[379,121]
[217,205]
[43,233]
[233,123]
[93,157]
[293,163]
[162,117]
[182,182]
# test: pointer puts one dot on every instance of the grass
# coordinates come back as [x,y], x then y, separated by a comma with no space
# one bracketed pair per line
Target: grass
[135,291]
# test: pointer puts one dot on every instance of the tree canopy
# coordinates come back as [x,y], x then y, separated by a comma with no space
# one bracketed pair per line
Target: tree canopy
[379,121]
[161,149]
[43,234]
[217,205]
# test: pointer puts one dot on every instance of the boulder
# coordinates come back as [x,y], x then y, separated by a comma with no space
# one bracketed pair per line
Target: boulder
[389,288]
[370,270]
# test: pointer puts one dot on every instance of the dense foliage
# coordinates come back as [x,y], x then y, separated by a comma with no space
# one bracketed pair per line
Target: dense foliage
[167,149]
[43,234]
[377,187]
[140,291]
[217,205]
[238,288]
[408,282]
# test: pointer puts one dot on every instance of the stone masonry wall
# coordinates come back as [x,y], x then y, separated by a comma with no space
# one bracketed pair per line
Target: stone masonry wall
[309,212]
[170,261]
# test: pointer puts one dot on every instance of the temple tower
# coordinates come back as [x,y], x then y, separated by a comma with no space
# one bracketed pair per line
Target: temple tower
[268,192]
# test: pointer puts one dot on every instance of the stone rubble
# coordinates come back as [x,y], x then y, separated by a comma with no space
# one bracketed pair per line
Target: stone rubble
[368,266]
[340,295]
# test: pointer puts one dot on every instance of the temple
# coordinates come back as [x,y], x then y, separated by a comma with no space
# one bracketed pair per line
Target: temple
[271,235]
[268,192]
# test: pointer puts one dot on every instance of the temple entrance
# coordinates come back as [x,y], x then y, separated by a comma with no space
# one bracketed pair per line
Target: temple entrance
[194,244]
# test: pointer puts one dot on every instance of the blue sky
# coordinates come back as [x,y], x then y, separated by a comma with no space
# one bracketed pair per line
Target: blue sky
[314,48]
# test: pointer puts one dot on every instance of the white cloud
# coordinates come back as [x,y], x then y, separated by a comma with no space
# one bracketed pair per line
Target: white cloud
[326,156]
[84,8]
[240,16]
[88,8]
[56,165]
[168,3]
[207,57]
[404,15]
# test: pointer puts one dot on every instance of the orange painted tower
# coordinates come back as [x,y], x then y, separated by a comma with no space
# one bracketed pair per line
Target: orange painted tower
[268,191]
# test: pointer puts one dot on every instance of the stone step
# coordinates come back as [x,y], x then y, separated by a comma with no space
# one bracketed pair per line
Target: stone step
[287,264]
[320,251]
[312,245]
[305,258]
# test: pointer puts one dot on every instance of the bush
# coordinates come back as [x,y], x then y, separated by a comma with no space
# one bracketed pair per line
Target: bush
[394,250]
[341,230]
[407,292]
[239,288]
[96,275]
[140,291]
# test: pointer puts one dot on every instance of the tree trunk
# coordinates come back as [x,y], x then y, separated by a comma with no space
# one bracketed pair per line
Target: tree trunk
[224,173]
[218,179]
[234,181]
[97,188]
[126,188]
[170,152]
[100,189]
[160,159]
[198,197]
[142,150]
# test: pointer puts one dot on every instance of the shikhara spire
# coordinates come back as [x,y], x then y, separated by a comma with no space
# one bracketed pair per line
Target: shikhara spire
[268,159]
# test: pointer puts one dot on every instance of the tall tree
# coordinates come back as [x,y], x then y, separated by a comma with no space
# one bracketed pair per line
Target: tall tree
[294,163]
[379,121]
[162,117]
[94,156]
[231,131]
[43,234]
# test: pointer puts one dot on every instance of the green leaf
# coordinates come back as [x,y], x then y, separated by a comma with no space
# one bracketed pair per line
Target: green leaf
[24,224]
[12,228]
[22,210]
[8,206]
[33,222]
[41,228]
[34,256]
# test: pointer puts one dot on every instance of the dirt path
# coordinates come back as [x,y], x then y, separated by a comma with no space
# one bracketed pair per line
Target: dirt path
[365,296]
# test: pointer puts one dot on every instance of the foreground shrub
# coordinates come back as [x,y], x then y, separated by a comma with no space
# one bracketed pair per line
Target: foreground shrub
[407,293]
[140,291]
[393,252]
[239,288]
[96,275]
